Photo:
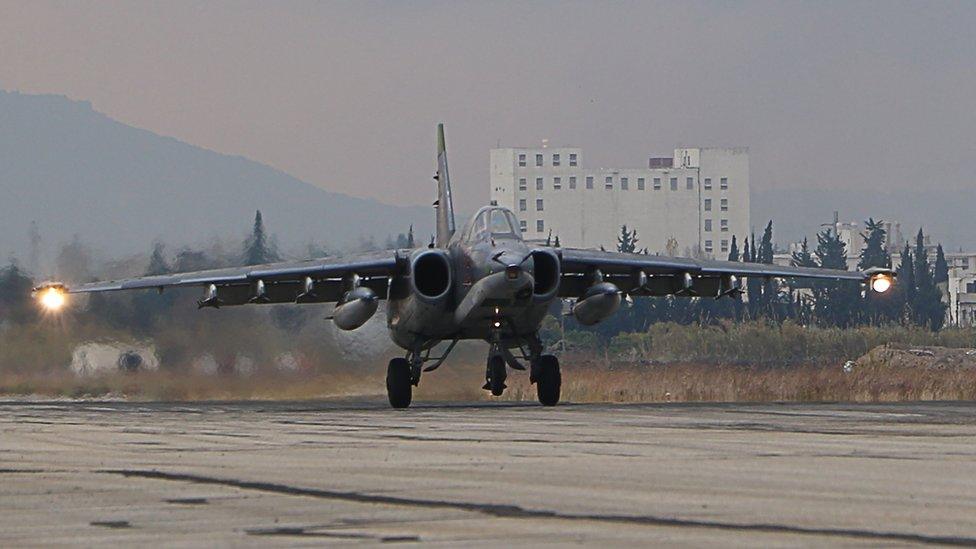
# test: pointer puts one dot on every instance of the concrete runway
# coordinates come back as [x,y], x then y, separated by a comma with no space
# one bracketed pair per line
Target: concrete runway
[319,473]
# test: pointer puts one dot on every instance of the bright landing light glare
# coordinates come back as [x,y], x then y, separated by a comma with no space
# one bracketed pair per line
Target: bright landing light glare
[881,283]
[52,299]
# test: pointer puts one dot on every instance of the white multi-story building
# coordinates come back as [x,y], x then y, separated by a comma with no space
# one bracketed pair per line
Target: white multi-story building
[961,288]
[688,204]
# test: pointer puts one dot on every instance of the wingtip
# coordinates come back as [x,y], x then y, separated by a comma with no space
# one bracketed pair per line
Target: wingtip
[441,143]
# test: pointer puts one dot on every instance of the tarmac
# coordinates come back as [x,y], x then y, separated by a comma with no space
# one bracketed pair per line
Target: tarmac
[487,474]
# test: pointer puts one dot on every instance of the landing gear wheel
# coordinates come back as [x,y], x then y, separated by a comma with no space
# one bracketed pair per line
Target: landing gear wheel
[548,380]
[496,375]
[399,388]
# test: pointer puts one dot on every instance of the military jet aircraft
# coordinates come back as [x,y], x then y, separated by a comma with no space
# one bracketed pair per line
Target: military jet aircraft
[482,282]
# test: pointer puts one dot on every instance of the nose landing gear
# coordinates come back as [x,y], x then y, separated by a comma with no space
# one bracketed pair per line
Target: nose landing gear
[495,373]
[544,370]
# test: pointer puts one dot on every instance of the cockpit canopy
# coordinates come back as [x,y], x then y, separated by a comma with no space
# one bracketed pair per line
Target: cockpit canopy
[492,221]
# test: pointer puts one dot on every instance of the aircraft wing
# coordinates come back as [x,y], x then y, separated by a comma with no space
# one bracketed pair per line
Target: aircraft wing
[643,274]
[311,281]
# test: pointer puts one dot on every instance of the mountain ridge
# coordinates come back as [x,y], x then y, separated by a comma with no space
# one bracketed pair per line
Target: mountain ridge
[76,171]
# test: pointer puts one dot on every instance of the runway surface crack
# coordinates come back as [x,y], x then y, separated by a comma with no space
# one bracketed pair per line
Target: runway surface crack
[518,512]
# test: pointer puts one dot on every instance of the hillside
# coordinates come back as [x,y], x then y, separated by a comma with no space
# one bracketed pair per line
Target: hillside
[76,171]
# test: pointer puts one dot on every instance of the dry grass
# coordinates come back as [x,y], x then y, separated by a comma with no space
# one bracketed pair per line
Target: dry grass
[708,383]
[582,382]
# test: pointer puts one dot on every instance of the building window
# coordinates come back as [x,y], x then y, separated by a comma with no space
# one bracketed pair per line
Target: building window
[708,225]
[708,183]
[971,287]
[690,183]
[572,159]
[708,246]
[557,183]
[523,226]
[555,159]
[674,183]
[608,182]
[538,183]
[523,185]
[624,183]
[539,226]
[521,161]
[640,183]
[724,183]
[657,183]
[725,245]
[725,204]
[538,160]
[589,182]
[708,204]
[724,224]
[522,206]
[538,204]
[572,182]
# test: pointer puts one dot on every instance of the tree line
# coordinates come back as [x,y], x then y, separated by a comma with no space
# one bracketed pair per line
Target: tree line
[915,299]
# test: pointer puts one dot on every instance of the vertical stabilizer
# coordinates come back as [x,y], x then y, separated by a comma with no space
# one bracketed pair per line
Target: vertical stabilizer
[445,204]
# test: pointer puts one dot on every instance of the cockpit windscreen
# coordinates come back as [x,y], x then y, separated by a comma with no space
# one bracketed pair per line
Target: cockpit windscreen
[502,224]
[496,222]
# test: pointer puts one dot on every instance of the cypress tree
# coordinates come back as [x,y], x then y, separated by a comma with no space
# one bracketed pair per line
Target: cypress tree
[941,267]
[410,242]
[877,306]
[731,308]
[733,250]
[835,301]
[801,303]
[928,307]
[803,257]
[765,254]
[754,285]
[905,287]
[874,253]
[257,250]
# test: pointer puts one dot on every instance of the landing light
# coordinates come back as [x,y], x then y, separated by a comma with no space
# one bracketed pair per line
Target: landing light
[52,299]
[881,283]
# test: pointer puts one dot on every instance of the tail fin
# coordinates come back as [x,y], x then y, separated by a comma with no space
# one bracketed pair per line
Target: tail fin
[445,205]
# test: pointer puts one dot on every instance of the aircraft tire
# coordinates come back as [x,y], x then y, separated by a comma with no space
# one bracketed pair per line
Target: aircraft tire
[497,374]
[399,389]
[548,380]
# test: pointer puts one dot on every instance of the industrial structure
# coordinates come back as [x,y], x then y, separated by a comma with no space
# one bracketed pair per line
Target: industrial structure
[688,204]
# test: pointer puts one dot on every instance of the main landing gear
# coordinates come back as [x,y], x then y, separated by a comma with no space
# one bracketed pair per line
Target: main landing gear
[548,380]
[403,374]
[399,385]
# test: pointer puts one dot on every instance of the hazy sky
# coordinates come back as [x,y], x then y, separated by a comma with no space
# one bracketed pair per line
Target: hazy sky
[346,95]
